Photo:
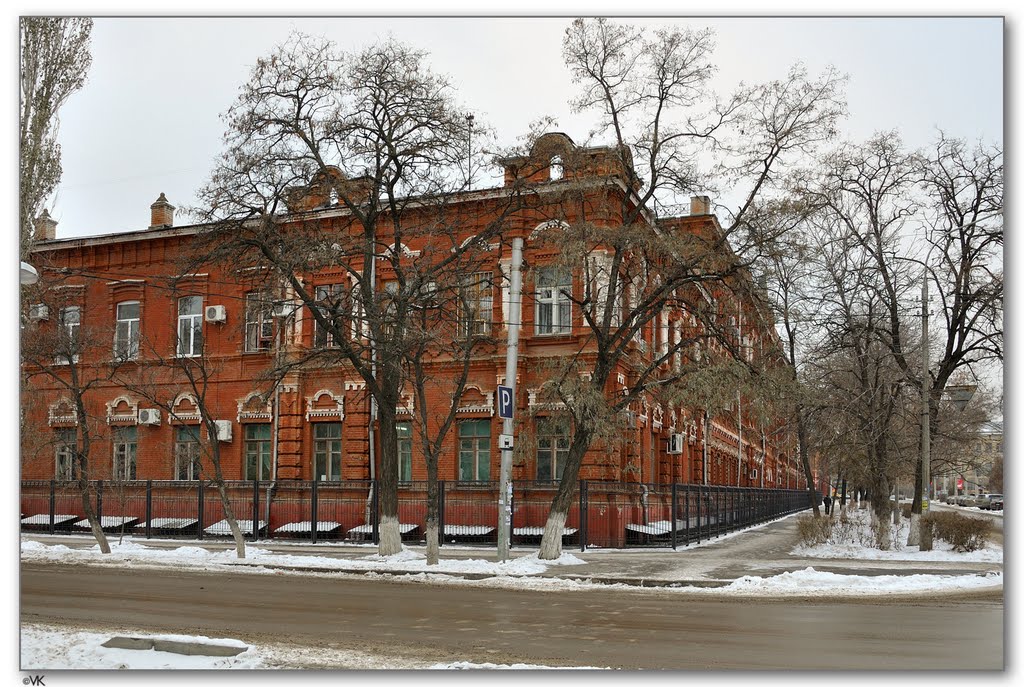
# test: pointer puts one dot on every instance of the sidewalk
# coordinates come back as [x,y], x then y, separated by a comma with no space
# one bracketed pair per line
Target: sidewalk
[762,551]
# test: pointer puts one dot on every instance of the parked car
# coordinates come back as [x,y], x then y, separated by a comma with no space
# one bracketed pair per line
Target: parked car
[991,502]
[965,500]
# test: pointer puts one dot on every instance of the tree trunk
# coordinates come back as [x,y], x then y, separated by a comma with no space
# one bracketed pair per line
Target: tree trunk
[218,481]
[82,457]
[433,513]
[90,515]
[880,510]
[390,536]
[805,460]
[229,515]
[551,541]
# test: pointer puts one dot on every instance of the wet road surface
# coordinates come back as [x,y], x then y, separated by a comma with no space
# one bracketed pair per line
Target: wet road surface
[601,628]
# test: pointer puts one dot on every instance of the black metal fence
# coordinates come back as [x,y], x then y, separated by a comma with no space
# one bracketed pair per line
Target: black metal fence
[603,514]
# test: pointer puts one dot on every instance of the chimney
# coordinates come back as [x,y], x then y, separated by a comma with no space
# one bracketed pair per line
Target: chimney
[162,213]
[700,205]
[46,227]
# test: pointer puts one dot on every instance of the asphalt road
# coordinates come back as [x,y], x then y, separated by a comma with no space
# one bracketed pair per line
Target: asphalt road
[602,628]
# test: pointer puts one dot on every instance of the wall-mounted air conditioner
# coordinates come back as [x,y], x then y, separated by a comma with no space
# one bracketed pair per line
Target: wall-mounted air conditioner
[39,311]
[216,313]
[284,308]
[149,416]
[223,430]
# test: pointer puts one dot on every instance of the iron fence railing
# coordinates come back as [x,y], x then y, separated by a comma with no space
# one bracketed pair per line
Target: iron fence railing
[602,514]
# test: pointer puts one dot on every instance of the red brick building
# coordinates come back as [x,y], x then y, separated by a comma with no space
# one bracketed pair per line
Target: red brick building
[112,292]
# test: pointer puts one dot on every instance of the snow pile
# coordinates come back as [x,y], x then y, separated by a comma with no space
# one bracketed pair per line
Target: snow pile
[134,554]
[810,582]
[49,649]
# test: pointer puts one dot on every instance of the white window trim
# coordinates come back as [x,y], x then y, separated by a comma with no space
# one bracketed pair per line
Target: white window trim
[554,301]
[134,333]
[193,319]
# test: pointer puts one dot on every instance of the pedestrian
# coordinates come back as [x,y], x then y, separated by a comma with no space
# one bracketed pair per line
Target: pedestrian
[828,504]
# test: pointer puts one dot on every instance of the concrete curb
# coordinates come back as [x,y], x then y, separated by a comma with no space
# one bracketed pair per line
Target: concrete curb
[630,581]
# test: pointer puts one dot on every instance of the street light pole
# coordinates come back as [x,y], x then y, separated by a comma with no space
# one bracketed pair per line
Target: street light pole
[507,427]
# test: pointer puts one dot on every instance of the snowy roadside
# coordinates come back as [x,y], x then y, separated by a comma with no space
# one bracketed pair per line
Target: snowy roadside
[524,572]
[48,648]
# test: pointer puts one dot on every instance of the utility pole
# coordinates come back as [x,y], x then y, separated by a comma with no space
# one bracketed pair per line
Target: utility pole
[469,161]
[511,365]
[925,542]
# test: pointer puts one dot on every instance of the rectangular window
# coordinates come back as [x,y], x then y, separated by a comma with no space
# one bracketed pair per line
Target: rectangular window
[257,452]
[259,323]
[553,305]
[186,453]
[67,447]
[476,304]
[190,326]
[475,450]
[126,333]
[404,430]
[552,448]
[330,304]
[70,325]
[327,451]
[388,307]
[125,447]
[597,284]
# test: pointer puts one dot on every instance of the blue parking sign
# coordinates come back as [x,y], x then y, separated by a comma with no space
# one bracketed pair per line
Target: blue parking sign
[505,404]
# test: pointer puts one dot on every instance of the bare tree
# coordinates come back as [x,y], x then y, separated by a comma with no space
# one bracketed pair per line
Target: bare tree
[378,137]
[445,337]
[791,269]
[651,92]
[55,60]
[60,354]
[190,371]
[879,192]
[858,375]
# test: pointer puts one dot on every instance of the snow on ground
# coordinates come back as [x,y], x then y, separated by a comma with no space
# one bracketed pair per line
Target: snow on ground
[852,536]
[48,648]
[522,572]
[45,648]
[130,553]
[52,648]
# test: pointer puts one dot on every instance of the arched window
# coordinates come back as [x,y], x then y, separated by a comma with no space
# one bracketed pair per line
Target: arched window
[557,170]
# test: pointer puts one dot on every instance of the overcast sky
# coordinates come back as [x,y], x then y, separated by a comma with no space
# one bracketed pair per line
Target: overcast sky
[148,119]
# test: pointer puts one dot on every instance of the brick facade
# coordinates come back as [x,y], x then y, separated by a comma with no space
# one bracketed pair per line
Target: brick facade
[103,272]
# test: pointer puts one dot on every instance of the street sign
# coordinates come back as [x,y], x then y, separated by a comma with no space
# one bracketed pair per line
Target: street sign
[505,442]
[505,404]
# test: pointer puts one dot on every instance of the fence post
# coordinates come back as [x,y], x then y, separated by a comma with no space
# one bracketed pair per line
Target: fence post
[314,503]
[511,513]
[583,515]
[440,512]
[149,509]
[255,509]
[721,510]
[672,523]
[376,512]
[99,502]
[700,502]
[199,532]
[53,505]
[686,506]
